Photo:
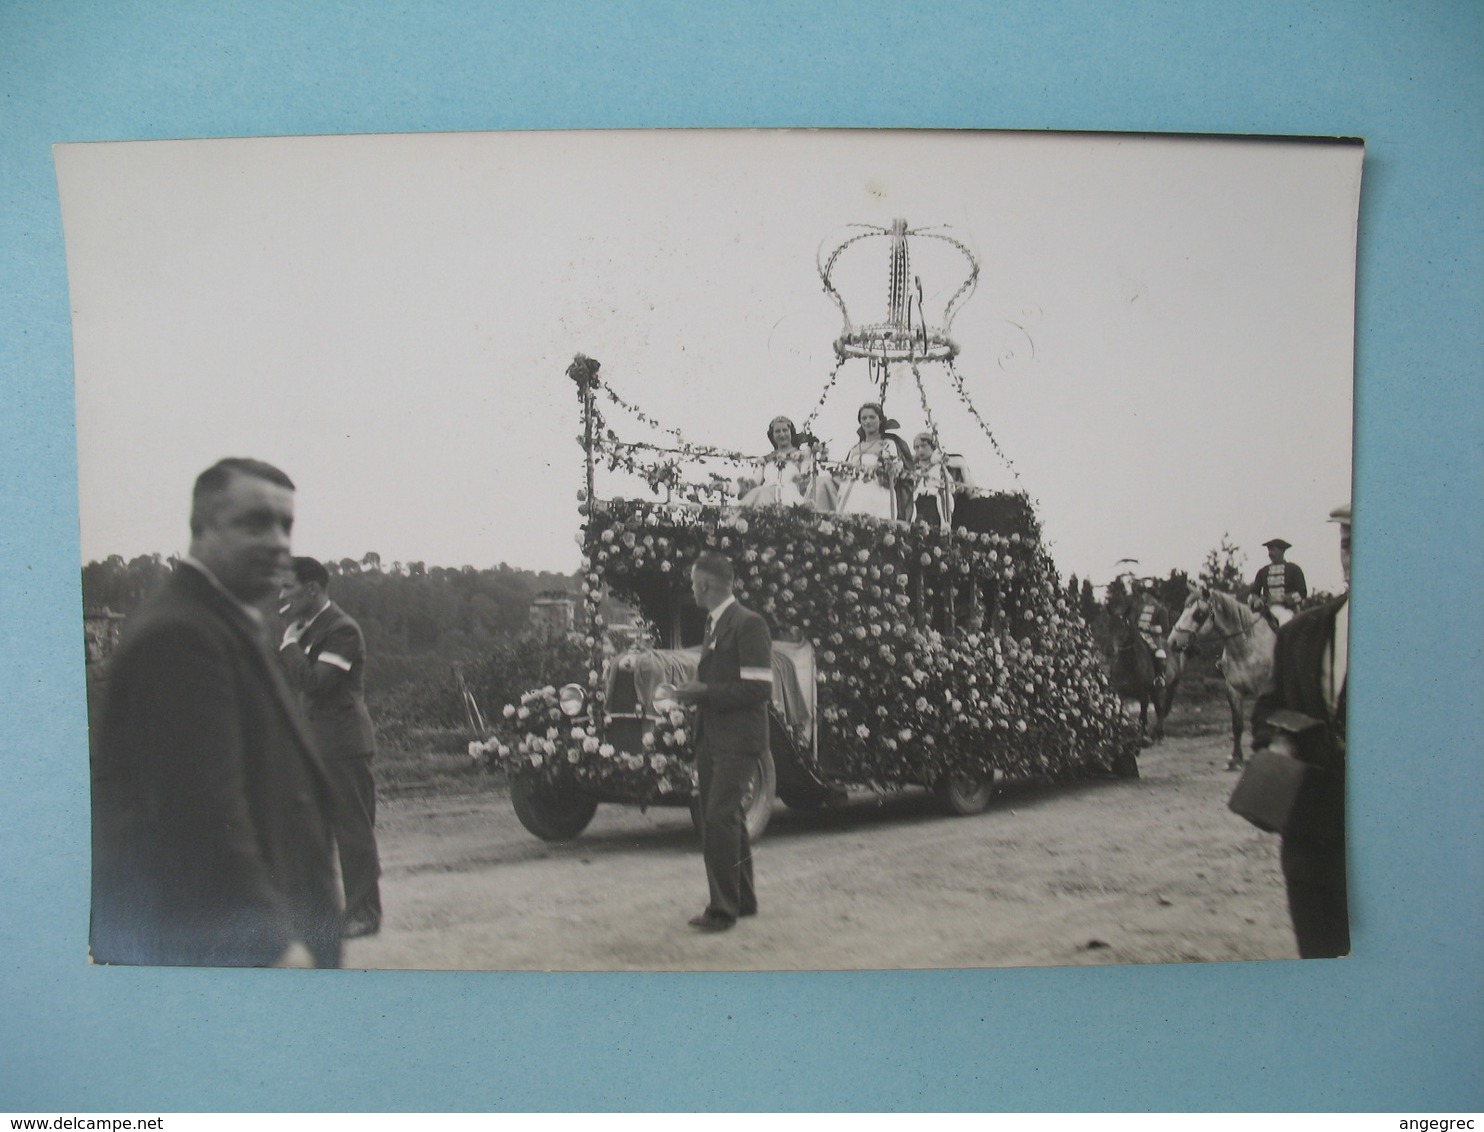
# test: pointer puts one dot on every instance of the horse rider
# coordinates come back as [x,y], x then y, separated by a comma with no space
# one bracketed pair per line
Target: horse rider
[1278,587]
[1151,620]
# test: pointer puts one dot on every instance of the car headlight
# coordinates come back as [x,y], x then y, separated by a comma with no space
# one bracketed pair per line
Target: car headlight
[572,699]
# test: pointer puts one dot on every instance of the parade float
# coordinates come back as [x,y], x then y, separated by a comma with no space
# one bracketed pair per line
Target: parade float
[906,653]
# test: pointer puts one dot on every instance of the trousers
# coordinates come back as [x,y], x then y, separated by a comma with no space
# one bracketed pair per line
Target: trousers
[353,820]
[724,842]
[1317,899]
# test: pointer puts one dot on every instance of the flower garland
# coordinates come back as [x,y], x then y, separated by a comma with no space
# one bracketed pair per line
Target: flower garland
[963,395]
[823,396]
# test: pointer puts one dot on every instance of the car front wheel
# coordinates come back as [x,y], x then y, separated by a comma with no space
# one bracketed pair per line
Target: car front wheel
[964,793]
[757,799]
[551,812]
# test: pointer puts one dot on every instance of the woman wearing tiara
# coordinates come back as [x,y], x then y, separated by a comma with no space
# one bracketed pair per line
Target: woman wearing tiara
[868,481]
[938,479]
[785,475]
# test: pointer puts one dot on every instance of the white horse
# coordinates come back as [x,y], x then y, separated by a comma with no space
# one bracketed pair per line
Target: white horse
[1247,642]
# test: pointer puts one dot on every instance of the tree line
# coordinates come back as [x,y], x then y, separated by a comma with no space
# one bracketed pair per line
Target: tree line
[405,610]
[422,623]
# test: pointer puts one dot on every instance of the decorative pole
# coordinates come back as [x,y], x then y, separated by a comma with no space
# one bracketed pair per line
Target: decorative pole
[584,371]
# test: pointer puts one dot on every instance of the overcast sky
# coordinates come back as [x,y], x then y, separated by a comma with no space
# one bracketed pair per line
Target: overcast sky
[1161,339]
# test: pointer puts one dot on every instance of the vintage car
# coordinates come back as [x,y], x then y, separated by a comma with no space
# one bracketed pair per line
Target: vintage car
[904,656]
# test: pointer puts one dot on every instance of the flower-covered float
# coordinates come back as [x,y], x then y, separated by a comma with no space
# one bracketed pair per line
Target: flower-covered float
[906,653]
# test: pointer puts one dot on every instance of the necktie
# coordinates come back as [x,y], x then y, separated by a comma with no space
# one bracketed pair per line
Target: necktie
[710,628]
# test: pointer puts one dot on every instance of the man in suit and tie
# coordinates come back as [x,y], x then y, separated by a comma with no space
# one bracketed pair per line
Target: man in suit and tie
[731,691]
[1301,713]
[324,654]
[211,835]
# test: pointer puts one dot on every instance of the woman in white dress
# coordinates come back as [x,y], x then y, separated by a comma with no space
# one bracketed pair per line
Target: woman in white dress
[785,475]
[868,479]
[937,479]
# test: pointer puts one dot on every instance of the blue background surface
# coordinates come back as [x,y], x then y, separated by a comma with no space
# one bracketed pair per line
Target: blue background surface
[1398,1026]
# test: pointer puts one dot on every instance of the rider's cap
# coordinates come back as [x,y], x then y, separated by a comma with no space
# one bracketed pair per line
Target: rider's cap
[1341,514]
[1281,544]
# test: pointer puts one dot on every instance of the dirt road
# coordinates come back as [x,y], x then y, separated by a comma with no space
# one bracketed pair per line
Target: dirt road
[1117,871]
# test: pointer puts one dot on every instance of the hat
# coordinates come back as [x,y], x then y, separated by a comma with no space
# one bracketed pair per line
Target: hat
[1341,514]
[1281,544]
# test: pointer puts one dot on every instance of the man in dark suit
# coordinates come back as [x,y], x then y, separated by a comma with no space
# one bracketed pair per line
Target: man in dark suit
[324,654]
[731,691]
[211,836]
[1301,713]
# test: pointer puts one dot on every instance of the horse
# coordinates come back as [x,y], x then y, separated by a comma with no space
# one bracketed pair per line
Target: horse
[1247,641]
[1132,674]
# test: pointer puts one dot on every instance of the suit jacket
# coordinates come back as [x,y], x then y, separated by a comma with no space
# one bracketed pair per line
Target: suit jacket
[737,669]
[211,841]
[327,664]
[1296,685]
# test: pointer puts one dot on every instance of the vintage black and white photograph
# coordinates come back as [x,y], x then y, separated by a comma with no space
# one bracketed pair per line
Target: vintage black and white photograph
[714,549]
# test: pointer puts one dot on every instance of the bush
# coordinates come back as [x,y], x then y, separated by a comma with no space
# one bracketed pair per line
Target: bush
[416,702]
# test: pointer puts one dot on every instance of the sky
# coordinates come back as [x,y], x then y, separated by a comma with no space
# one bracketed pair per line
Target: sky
[1160,341]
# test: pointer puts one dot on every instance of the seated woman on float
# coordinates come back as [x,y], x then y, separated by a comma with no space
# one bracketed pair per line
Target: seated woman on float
[872,468]
[785,477]
[936,478]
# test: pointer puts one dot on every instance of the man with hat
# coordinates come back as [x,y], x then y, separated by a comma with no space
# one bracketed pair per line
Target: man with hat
[1301,713]
[1279,586]
[1151,620]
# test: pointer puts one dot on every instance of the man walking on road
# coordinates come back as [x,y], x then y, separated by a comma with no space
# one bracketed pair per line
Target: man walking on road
[731,691]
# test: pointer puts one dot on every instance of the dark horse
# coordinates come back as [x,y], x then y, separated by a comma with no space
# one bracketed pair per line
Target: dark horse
[1132,674]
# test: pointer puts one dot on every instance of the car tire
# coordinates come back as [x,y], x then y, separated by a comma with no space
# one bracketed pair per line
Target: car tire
[757,802]
[963,794]
[552,813]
